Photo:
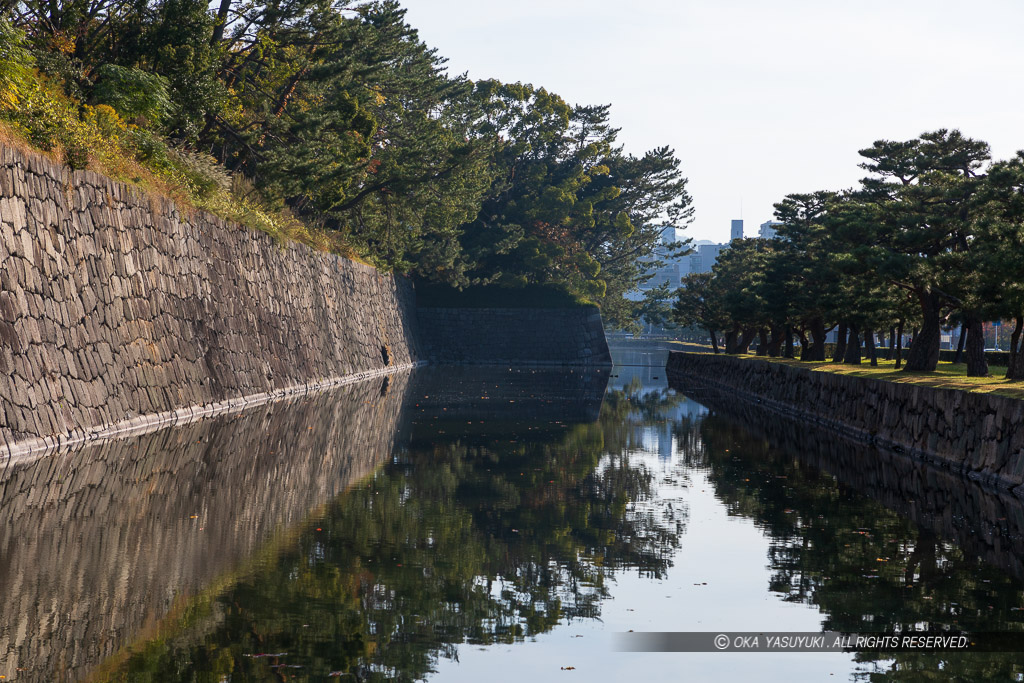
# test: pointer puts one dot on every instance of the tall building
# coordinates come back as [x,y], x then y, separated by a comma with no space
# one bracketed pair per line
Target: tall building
[705,256]
[737,229]
[767,229]
[702,258]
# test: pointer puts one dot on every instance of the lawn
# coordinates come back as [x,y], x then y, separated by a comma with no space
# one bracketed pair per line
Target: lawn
[947,375]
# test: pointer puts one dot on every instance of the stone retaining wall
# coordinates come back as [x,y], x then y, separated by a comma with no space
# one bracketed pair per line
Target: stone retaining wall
[975,434]
[981,521]
[119,309]
[539,336]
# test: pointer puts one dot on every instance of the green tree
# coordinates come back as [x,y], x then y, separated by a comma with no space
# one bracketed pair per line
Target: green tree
[741,272]
[998,244]
[923,194]
[568,207]
[808,243]
[698,304]
[16,64]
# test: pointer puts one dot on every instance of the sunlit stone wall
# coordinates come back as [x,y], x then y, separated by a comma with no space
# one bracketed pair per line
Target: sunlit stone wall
[115,305]
[976,434]
[99,545]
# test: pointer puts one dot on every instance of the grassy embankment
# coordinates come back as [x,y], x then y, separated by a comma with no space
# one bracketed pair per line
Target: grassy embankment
[37,117]
[946,376]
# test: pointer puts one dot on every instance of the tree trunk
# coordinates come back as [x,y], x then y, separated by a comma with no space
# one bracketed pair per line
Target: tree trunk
[899,345]
[1015,369]
[730,340]
[775,345]
[977,365]
[788,351]
[762,342]
[743,345]
[714,340]
[958,356]
[869,340]
[805,345]
[923,355]
[960,343]
[818,334]
[840,351]
[852,355]
[222,20]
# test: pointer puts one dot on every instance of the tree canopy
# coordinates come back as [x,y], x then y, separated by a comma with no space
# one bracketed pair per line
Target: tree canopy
[336,113]
[928,239]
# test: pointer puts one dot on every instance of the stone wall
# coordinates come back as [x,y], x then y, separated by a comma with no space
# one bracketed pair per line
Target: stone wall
[99,545]
[118,309]
[980,520]
[975,434]
[539,336]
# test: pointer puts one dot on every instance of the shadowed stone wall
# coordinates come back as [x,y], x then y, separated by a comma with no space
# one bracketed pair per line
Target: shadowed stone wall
[98,545]
[975,434]
[982,521]
[115,305]
[538,336]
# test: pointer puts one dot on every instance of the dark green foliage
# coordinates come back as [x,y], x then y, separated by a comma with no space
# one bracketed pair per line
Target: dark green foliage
[568,206]
[699,304]
[338,113]
[176,45]
[929,239]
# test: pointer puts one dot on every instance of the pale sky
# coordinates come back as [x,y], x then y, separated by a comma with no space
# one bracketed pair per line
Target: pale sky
[759,98]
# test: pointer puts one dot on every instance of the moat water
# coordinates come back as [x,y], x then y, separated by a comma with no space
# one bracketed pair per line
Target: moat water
[491,524]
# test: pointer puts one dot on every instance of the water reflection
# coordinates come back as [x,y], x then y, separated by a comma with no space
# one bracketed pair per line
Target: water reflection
[98,546]
[928,550]
[376,532]
[480,536]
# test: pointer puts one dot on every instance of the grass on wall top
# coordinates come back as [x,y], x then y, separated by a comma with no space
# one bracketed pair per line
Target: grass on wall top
[946,375]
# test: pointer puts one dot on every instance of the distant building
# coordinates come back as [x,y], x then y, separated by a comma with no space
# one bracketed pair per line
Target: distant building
[737,230]
[767,230]
[702,259]
[671,272]
[705,256]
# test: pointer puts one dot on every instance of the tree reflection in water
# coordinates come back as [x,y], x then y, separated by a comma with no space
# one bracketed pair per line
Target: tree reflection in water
[482,534]
[494,531]
[865,567]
